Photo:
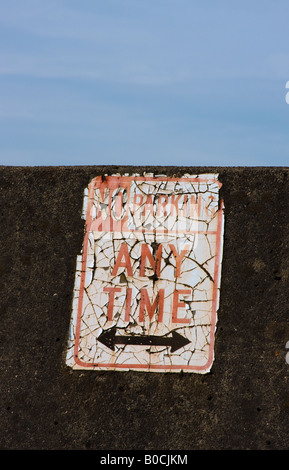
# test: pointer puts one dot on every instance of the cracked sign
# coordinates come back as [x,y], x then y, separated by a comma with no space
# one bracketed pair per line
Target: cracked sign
[147,282]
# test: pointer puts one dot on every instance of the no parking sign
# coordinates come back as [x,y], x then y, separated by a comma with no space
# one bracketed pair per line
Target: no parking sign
[147,282]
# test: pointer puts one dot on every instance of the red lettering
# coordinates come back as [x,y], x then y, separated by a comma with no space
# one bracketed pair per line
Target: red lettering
[178,258]
[117,210]
[123,253]
[151,308]
[155,263]
[162,205]
[148,205]
[177,305]
[111,293]
[128,303]
[136,202]
[175,202]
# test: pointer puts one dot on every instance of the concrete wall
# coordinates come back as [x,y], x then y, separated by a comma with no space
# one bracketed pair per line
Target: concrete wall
[243,403]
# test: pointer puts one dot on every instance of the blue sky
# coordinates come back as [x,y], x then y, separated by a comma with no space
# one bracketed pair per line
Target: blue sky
[144,82]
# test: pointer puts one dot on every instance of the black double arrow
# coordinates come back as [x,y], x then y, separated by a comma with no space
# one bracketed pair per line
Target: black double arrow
[109,338]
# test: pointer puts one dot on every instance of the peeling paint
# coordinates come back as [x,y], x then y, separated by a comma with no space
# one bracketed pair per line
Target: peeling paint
[147,282]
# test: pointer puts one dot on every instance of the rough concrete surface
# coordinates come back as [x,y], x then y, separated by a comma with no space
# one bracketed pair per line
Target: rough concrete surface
[243,403]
